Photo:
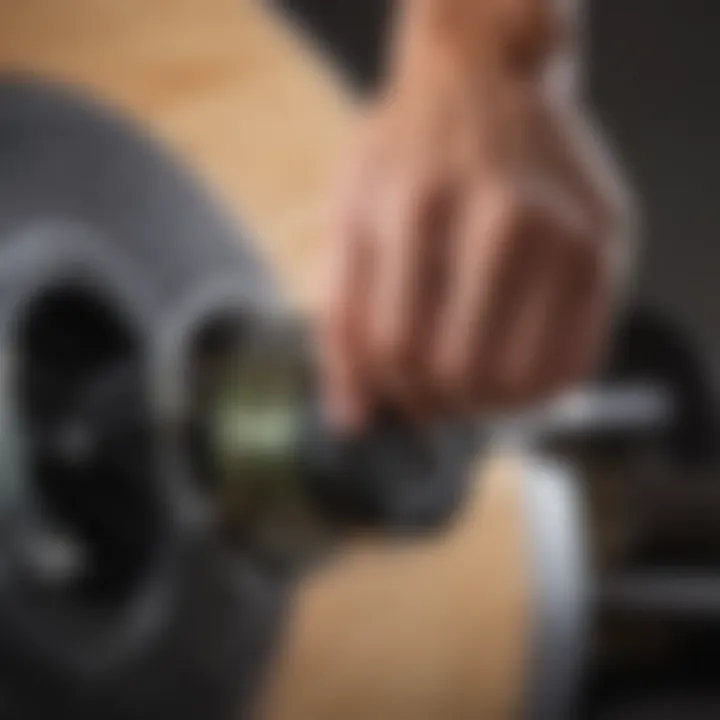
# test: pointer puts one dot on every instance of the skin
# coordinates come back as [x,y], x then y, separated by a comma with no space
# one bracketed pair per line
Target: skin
[477,229]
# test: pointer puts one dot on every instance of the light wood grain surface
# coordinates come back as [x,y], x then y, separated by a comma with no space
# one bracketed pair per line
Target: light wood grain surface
[433,630]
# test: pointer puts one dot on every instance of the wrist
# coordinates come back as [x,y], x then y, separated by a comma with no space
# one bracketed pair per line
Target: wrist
[517,38]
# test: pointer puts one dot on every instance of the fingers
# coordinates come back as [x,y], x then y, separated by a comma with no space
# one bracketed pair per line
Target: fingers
[408,280]
[516,314]
[550,343]
[341,323]
[454,290]
[478,289]
[524,313]
[344,394]
[401,239]
[576,339]
[517,371]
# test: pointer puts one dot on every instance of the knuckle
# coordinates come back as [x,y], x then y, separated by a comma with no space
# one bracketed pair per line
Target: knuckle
[418,190]
[409,208]
[501,218]
[428,199]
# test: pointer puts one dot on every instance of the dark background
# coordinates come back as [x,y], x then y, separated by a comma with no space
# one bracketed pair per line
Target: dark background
[653,69]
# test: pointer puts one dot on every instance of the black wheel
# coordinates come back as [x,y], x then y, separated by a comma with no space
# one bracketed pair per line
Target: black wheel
[102,235]
[67,160]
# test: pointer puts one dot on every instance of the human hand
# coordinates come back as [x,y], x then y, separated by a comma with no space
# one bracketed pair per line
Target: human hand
[474,239]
